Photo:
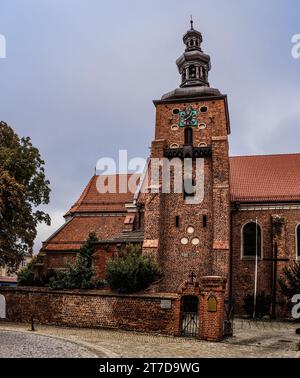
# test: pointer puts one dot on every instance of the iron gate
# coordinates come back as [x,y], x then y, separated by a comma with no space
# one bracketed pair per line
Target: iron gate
[228,319]
[189,316]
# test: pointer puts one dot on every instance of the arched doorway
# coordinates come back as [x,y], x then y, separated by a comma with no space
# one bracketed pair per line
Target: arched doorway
[189,316]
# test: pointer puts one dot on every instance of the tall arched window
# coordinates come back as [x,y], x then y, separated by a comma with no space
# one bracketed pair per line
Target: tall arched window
[298,241]
[188,136]
[252,240]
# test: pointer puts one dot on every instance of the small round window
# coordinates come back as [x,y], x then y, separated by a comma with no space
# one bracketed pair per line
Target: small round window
[202,126]
[174,145]
[196,241]
[184,241]
[204,109]
[176,111]
[190,230]
[174,127]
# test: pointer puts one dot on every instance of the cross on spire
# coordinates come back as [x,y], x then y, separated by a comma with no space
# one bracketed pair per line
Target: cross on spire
[192,23]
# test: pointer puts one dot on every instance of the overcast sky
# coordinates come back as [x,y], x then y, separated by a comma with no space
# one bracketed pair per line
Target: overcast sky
[80,77]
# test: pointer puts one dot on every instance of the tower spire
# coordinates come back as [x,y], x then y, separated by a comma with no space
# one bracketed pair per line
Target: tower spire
[192,22]
[194,65]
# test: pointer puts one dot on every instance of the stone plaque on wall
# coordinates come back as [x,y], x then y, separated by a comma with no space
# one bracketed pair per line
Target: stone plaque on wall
[166,304]
[212,304]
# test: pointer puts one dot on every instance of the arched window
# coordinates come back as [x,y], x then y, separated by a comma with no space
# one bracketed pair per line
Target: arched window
[188,136]
[298,241]
[192,72]
[252,240]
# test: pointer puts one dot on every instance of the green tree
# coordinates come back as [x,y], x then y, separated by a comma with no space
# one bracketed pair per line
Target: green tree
[23,187]
[290,280]
[81,274]
[26,275]
[132,272]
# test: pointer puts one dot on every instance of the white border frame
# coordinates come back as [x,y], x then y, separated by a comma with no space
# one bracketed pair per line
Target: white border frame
[296,240]
[252,258]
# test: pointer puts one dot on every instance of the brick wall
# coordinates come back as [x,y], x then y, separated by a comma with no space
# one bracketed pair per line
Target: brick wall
[92,309]
[99,309]
[243,269]
[59,259]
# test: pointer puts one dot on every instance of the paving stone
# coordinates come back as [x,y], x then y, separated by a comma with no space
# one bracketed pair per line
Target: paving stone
[26,345]
[251,340]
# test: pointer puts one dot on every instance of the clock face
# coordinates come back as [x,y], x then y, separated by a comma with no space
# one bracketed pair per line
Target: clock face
[188,117]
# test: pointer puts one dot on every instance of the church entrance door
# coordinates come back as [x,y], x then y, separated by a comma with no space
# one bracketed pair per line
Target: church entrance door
[189,316]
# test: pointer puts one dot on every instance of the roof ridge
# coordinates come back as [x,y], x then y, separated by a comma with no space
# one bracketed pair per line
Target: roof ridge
[76,205]
[264,155]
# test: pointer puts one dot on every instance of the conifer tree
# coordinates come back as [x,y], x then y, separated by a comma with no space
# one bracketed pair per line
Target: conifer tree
[80,275]
[290,280]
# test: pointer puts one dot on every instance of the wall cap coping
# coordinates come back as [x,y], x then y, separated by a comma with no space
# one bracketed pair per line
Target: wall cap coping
[91,293]
[213,281]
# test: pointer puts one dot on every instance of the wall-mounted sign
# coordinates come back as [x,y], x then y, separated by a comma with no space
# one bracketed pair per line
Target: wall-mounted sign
[166,304]
[212,304]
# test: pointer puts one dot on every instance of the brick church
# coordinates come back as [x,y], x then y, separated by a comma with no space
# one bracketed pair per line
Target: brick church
[250,206]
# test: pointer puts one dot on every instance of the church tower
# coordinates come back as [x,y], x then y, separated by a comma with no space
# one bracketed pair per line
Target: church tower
[190,236]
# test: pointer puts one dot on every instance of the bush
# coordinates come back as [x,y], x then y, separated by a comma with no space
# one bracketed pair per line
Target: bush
[29,275]
[80,275]
[263,304]
[26,275]
[132,272]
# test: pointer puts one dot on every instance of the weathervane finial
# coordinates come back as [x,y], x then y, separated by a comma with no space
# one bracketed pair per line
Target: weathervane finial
[192,23]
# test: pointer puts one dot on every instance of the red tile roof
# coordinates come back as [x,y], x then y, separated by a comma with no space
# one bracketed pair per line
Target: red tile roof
[72,234]
[265,178]
[93,201]
[270,178]
[8,279]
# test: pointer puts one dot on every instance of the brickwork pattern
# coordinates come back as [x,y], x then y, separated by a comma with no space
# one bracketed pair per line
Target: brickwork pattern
[243,268]
[95,309]
[211,256]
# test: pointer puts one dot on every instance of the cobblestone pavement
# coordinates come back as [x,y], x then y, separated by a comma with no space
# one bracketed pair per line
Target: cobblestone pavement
[250,340]
[26,345]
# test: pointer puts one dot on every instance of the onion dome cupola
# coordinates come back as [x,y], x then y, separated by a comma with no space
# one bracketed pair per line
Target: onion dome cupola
[194,66]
